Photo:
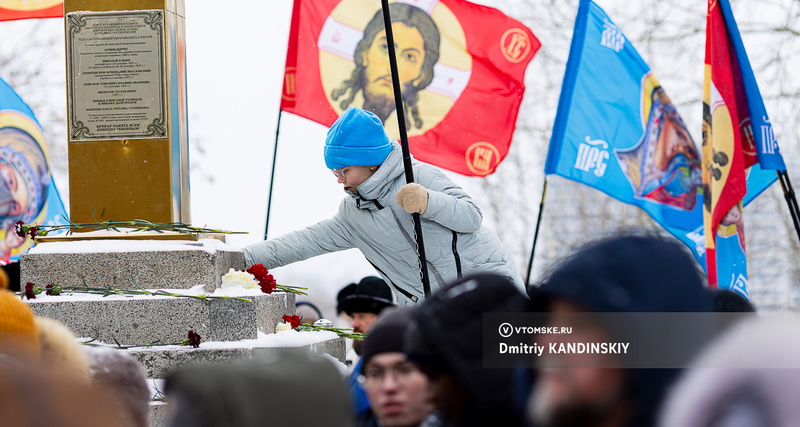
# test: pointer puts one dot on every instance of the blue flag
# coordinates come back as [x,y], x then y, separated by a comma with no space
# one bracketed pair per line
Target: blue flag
[617,131]
[27,190]
[762,174]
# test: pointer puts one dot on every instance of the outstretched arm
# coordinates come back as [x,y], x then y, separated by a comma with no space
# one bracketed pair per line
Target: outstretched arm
[321,238]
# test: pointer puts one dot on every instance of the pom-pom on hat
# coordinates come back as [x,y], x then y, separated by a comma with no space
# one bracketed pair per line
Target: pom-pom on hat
[357,138]
[18,334]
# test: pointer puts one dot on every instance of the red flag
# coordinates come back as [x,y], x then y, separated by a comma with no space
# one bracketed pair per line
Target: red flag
[728,147]
[25,9]
[462,67]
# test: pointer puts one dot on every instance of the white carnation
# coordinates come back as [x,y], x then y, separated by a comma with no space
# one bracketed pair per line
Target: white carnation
[283,327]
[239,278]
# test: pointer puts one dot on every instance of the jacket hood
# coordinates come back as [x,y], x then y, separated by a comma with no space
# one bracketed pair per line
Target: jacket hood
[748,376]
[445,336]
[378,186]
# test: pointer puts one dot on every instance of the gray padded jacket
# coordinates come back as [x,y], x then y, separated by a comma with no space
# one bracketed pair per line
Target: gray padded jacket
[455,241]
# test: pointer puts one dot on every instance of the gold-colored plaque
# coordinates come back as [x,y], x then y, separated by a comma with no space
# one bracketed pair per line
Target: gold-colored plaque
[116,86]
[126,110]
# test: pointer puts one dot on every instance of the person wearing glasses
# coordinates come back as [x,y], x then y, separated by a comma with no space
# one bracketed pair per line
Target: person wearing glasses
[376,216]
[399,394]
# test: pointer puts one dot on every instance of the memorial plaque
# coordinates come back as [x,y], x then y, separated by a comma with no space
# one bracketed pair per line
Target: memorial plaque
[127,123]
[115,75]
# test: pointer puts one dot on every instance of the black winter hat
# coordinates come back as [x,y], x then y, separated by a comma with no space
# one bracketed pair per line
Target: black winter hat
[387,334]
[344,293]
[371,295]
[446,336]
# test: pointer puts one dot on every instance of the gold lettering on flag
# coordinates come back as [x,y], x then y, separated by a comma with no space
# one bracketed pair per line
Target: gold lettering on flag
[289,84]
[515,45]
[482,158]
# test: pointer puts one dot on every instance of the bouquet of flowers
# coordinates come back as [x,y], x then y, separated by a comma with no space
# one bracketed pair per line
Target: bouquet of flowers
[294,322]
[257,276]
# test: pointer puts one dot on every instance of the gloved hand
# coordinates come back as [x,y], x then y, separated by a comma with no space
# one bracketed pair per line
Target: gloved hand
[413,198]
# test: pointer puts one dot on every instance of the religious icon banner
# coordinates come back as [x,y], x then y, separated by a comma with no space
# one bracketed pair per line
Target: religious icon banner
[617,130]
[461,67]
[27,190]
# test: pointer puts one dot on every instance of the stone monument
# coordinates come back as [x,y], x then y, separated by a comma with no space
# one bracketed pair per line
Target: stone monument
[126,110]
[128,160]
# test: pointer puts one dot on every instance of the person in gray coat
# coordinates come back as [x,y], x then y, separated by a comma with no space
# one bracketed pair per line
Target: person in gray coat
[376,216]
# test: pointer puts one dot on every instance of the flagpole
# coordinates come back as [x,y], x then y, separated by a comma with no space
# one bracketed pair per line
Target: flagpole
[272,175]
[401,124]
[536,232]
[791,200]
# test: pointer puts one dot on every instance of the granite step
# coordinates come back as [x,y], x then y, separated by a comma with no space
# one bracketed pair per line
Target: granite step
[160,361]
[142,319]
[130,264]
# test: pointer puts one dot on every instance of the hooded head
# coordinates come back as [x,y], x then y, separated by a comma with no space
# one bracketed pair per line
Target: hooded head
[627,274]
[444,339]
[749,376]
[631,274]
[357,138]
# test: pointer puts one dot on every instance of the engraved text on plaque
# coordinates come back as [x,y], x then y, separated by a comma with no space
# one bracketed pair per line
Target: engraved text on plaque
[115,75]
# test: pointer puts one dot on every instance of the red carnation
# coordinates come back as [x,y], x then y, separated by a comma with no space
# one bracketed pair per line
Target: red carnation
[52,290]
[265,280]
[294,321]
[20,229]
[258,270]
[194,339]
[268,284]
[29,293]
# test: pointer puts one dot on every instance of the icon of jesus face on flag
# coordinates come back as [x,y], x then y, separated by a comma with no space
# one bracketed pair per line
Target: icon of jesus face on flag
[461,68]
[433,69]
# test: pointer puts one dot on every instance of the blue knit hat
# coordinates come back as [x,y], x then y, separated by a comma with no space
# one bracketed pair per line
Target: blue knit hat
[357,138]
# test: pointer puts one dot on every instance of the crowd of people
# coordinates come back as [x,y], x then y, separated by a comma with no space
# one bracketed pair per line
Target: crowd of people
[424,365]
[423,362]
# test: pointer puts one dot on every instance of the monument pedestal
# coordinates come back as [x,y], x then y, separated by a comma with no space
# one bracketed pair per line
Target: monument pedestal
[126,110]
[231,329]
